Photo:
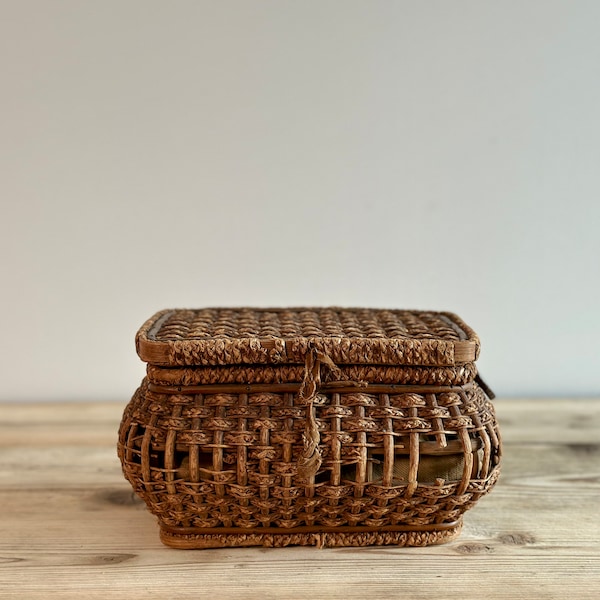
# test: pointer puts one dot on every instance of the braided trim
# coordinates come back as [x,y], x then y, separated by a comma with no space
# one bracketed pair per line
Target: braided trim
[311,458]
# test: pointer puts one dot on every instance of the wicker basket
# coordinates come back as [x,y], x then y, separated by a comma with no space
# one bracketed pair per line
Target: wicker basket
[327,427]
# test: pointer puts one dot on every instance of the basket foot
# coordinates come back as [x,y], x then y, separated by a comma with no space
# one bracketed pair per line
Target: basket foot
[321,539]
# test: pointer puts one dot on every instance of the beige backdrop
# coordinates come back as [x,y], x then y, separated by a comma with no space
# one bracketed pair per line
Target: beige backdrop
[394,154]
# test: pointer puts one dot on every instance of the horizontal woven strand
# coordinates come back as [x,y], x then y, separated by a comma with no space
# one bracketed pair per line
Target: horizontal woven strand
[266,374]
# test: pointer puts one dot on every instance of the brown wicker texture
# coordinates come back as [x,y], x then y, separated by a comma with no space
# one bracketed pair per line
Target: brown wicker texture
[276,455]
[187,376]
[348,336]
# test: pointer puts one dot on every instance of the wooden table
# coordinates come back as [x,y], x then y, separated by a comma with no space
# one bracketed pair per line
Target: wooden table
[70,527]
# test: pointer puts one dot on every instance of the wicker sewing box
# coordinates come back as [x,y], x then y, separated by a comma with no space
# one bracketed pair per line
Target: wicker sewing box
[326,427]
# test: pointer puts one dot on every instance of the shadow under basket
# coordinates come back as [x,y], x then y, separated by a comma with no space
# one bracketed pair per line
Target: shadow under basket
[327,427]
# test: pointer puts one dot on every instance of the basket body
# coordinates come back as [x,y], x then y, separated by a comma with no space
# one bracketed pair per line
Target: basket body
[322,453]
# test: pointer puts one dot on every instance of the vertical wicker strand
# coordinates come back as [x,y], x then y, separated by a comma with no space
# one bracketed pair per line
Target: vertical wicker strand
[263,463]
[388,444]
[493,431]
[361,465]
[127,441]
[440,434]
[465,439]
[170,442]
[242,451]
[145,450]
[218,452]
[287,479]
[388,456]
[194,449]
[413,464]
[480,470]
[336,444]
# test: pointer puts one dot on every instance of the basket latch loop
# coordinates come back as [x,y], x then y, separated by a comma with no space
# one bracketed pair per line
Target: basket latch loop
[311,458]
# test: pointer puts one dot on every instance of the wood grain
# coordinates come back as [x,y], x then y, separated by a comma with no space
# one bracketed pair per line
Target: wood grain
[71,528]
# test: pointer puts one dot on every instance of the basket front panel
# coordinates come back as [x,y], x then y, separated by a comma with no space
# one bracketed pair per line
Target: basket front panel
[229,460]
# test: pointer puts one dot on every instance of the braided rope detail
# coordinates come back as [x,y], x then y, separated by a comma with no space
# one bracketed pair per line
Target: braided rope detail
[311,458]
[320,540]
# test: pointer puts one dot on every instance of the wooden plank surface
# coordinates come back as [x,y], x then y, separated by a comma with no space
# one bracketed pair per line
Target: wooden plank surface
[71,528]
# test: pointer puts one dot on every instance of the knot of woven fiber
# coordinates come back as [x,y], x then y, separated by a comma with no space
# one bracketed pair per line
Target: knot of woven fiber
[311,458]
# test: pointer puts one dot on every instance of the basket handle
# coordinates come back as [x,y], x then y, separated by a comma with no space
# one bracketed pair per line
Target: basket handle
[485,387]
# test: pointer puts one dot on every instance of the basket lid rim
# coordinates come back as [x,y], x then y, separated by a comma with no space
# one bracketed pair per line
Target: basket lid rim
[248,335]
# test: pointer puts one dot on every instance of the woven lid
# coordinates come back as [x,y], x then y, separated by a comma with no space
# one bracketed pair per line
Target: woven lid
[228,336]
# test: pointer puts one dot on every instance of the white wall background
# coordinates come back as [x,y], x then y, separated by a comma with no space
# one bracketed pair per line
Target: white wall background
[420,154]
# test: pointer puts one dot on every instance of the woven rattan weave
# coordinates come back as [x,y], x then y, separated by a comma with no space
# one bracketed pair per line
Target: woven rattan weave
[327,427]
